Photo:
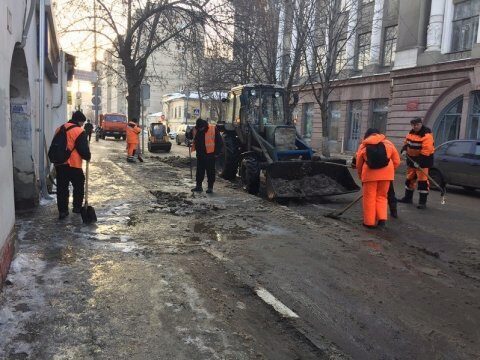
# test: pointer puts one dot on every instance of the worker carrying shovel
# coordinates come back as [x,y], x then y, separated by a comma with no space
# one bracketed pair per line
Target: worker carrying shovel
[418,148]
[132,139]
[377,159]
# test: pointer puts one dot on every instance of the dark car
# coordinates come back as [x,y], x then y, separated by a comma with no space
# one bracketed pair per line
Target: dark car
[457,162]
[181,131]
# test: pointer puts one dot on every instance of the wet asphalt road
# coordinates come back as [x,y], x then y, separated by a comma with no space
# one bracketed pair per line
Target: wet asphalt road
[167,276]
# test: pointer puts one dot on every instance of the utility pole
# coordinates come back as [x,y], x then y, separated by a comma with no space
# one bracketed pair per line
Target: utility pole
[95,57]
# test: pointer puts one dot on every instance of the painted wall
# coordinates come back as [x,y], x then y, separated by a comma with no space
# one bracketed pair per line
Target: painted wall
[19,170]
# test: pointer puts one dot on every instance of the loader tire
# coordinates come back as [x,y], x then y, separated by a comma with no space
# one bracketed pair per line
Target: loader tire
[229,157]
[250,172]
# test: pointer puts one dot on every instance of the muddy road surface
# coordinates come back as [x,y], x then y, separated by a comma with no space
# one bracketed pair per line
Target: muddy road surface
[165,275]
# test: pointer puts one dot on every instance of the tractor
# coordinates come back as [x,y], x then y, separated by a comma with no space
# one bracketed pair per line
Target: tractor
[259,140]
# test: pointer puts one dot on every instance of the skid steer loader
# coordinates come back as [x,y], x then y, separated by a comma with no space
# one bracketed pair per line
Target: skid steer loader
[258,139]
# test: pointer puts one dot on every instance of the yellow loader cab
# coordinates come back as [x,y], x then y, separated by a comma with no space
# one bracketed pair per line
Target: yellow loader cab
[158,138]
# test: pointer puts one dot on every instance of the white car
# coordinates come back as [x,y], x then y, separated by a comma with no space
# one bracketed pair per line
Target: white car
[172,135]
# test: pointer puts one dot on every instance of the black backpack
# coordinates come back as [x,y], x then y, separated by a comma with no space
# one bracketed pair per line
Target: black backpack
[58,152]
[377,156]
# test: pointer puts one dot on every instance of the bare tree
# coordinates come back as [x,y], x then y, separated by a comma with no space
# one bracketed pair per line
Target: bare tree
[135,29]
[331,31]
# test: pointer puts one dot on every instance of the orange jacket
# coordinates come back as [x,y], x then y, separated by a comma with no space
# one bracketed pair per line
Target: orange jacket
[75,159]
[386,173]
[420,147]
[209,139]
[132,133]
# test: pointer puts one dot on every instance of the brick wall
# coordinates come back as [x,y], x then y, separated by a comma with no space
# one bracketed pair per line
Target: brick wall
[6,256]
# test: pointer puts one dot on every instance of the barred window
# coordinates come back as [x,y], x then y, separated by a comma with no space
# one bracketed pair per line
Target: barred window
[389,45]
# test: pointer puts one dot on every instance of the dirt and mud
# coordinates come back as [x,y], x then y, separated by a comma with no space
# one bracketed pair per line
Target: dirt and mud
[167,275]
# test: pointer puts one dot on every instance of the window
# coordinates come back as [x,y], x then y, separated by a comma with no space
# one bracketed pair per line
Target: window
[473,131]
[307,120]
[175,112]
[334,117]
[447,126]
[363,50]
[477,150]
[379,115]
[465,25]
[389,45]
[341,56]
[459,148]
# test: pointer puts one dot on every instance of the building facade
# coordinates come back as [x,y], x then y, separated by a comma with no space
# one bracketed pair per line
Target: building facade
[412,59]
[20,144]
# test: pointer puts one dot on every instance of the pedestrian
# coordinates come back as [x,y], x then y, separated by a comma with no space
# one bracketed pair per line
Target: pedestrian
[88,127]
[71,171]
[132,139]
[391,197]
[207,142]
[419,146]
[377,159]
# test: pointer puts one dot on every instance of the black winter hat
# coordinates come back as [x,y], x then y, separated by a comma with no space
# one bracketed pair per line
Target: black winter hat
[200,123]
[78,117]
[371,131]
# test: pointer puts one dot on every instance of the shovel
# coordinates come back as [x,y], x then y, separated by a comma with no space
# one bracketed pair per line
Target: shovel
[442,189]
[88,212]
[337,214]
[190,157]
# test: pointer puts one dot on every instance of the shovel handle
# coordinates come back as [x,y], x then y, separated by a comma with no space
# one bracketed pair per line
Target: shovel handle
[86,184]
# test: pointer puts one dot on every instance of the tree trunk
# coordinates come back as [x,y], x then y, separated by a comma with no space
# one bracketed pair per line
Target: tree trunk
[325,130]
[133,101]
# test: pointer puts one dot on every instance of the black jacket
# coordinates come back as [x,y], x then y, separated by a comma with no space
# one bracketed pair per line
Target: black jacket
[88,127]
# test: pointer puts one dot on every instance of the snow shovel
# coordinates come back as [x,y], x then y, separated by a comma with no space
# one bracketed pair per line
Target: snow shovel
[88,212]
[337,214]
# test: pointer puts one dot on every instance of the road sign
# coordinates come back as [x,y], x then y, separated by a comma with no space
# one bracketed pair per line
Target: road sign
[99,107]
[145,92]
[96,100]
[85,75]
[196,112]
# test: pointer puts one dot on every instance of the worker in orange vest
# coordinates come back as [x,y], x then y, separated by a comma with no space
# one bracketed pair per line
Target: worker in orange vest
[71,171]
[132,139]
[419,146]
[377,159]
[207,142]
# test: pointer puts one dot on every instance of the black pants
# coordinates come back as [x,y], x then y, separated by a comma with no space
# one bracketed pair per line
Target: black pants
[392,200]
[206,163]
[89,135]
[65,176]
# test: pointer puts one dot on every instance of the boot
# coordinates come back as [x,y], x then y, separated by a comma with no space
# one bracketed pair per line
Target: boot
[408,198]
[209,190]
[381,224]
[393,211]
[197,188]
[422,202]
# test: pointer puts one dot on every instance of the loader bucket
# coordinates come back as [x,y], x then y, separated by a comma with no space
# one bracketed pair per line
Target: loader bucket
[302,179]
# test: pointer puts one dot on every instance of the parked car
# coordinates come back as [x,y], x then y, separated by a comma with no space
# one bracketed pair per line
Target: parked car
[173,135]
[181,131]
[457,162]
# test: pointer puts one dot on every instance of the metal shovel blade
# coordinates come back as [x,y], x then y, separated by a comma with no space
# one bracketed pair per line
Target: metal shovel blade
[302,179]
[88,214]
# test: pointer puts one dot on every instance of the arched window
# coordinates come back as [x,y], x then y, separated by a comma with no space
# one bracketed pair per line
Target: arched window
[447,126]
[474,117]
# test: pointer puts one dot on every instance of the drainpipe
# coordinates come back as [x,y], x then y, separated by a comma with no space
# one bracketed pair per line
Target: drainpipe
[41,100]
[26,23]
[62,68]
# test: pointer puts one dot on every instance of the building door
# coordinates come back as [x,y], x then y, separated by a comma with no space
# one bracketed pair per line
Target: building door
[354,125]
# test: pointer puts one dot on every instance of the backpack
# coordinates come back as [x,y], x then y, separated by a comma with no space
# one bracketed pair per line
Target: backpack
[58,152]
[377,156]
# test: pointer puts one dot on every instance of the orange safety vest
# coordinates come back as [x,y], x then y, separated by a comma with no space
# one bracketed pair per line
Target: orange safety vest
[209,139]
[132,133]
[420,143]
[75,160]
